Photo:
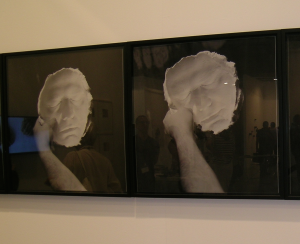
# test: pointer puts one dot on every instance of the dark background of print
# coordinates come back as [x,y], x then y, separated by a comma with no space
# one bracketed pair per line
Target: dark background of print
[103,69]
[255,62]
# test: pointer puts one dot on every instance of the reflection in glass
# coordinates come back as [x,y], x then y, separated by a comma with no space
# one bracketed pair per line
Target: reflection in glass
[239,156]
[67,120]
[294,113]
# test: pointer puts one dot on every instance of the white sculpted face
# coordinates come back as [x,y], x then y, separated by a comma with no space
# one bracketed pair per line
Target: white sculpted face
[65,98]
[206,85]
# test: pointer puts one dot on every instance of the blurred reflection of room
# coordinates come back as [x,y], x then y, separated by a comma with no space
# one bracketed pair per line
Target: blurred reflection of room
[261,105]
[103,68]
[295,144]
[259,85]
[147,151]
[294,112]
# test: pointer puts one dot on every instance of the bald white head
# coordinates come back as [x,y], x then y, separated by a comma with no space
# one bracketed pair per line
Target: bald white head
[205,84]
[65,98]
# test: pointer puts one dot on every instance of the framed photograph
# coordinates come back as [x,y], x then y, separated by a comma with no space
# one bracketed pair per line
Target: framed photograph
[291,48]
[65,120]
[2,176]
[206,112]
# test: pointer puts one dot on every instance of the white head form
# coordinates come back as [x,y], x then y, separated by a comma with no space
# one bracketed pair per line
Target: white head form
[66,98]
[206,85]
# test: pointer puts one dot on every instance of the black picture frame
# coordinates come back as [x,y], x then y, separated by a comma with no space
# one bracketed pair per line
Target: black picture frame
[256,54]
[23,76]
[260,55]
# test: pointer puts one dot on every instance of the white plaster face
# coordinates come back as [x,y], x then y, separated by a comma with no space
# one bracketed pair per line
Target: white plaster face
[65,98]
[205,84]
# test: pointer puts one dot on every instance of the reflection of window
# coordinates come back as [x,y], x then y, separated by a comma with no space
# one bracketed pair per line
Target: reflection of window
[24,141]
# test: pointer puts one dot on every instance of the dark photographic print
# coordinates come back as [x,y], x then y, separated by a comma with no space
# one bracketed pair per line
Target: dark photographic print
[293,75]
[2,183]
[66,121]
[2,177]
[206,117]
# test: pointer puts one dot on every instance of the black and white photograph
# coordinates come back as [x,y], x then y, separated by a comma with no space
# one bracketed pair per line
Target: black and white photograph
[2,176]
[2,183]
[293,75]
[206,116]
[62,105]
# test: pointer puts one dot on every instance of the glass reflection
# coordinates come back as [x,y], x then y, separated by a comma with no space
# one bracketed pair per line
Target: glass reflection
[241,158]
[294,113]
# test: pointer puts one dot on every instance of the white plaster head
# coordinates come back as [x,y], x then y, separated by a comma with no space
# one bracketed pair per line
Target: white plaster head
[206,85]
[66,98]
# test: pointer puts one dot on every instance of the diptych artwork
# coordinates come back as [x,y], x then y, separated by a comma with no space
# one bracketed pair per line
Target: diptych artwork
[206,117]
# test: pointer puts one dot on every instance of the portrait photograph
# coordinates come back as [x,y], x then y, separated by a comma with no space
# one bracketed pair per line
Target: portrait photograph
[2,185]
[2,178]
[65,113]
[293,75]
[206,116]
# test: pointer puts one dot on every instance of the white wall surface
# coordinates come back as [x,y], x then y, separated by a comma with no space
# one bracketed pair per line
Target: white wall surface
[30,25]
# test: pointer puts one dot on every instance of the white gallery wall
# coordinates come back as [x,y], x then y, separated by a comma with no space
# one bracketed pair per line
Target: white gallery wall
[30,25]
